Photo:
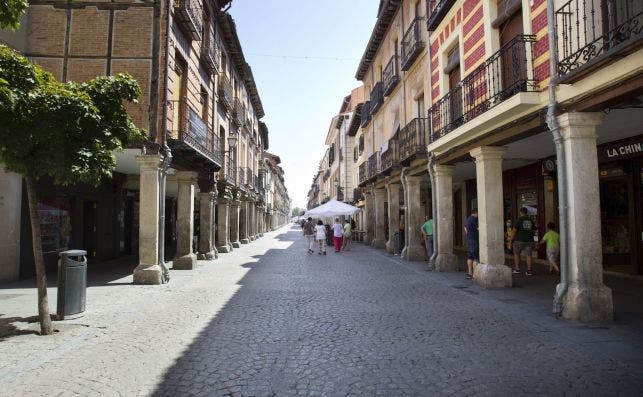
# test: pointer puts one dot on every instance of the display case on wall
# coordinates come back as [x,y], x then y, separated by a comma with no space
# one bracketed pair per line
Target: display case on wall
[55,224]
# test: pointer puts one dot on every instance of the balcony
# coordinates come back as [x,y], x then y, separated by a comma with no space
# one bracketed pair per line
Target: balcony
[436,10]
[210,57]
[189,17]
[592,32]
[192,140]
[373,165]
[357,194]
[412,43]
[230,170]
[248,177]
[225,92]
[412,140]
[503,75]
[390,76]
[362,176]
[377,98]
[366,113]
[238,112]
[390,157]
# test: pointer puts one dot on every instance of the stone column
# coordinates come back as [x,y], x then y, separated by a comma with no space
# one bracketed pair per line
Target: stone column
[380,221]
[207,203]
[369,217]
[587,298]
[252,234]
[185,258]
[393,193]
[10,213]
[415,214]
[491,272]
[446,261]
[234,223]
[244,216]
[223,223]
[148,271]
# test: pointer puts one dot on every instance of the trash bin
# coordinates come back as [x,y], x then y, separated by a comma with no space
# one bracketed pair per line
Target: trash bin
[72,283]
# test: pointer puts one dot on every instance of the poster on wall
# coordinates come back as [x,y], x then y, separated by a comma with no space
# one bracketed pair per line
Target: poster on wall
[55,224]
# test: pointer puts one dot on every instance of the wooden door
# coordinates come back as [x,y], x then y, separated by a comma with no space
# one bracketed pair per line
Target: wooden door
[455,103]
[513,62]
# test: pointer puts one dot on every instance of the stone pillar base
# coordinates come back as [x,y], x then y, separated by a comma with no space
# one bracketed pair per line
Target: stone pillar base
[208,256]
[588,303]
[390,247]
[446,263]
[148,274]
[492,276]
[186,262]
[244,241]
[415,254]
[223,249]
[378,243]
[236,244]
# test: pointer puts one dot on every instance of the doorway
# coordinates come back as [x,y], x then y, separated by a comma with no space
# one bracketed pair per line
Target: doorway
[89,227]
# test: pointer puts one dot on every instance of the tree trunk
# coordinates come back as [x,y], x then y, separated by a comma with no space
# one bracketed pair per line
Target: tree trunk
[41,276]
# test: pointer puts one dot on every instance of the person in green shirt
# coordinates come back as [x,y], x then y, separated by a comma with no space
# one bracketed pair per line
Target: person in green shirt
[347,236]
[522,239]
[427,231]
[552,241]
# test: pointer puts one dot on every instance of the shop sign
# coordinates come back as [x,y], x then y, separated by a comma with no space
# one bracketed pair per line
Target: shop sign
[623,150]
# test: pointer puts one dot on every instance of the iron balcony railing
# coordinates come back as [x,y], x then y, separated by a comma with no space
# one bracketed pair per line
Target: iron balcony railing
[366,113]
[502,76]
[191,130]
[210,56]
[230,170]
[412,139]
[373,165]
[412,43]
[226,95]
[238,112]
[436,10]
[357,194]
[390,156]
[390,75]
[248,180]
[591,31]
[377,98]
[362,176]
[189,17]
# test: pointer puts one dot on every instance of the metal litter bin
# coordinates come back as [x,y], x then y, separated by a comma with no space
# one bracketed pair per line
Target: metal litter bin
[72,283]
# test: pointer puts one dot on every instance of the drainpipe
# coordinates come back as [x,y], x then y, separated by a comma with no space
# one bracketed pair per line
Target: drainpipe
[552,123]
[434,213]
[167,153]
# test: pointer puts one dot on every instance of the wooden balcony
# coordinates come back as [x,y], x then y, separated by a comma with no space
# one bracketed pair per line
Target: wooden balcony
[189,17]
[413,140]
[412,43]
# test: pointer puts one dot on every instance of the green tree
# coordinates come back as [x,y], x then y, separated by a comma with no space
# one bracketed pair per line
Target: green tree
[65,131]
[296,211]
[10,12]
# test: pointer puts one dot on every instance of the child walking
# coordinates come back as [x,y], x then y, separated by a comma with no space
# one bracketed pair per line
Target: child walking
[320,236]
[552,241]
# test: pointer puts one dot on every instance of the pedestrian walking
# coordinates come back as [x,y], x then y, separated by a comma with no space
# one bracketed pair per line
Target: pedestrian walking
[320,236]
[522,239]
[551,239]
[309,234]
[427,232]
[473,245]
[329,235]
[348,229]
[338,234]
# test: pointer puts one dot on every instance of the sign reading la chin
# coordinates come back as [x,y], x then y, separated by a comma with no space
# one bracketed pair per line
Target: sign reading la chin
[621,150]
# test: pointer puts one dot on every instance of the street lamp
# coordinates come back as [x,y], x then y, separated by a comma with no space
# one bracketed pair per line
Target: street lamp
[232,142]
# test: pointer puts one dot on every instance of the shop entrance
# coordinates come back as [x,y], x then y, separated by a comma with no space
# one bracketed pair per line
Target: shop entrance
[616,220]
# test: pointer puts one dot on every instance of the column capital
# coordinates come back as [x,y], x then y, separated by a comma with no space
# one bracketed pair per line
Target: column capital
[488,153]
[149,162]
[187,176]
[443,169]
[413,179]
[589,119]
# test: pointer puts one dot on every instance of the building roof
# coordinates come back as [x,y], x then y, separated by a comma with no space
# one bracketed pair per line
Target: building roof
[385,15]
[229,32]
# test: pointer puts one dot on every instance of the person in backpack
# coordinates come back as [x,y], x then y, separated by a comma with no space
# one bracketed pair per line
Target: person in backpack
[522,239]
[309,234]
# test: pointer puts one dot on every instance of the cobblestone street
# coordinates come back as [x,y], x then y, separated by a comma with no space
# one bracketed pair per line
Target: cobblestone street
[269,320]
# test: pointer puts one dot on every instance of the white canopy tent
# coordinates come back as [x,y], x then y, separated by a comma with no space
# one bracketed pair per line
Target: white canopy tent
[331,208]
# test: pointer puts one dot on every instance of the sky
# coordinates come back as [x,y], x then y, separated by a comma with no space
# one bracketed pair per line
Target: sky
[303,56]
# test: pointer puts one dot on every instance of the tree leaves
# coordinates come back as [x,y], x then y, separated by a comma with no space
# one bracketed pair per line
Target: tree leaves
[66,131]
[10,12]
